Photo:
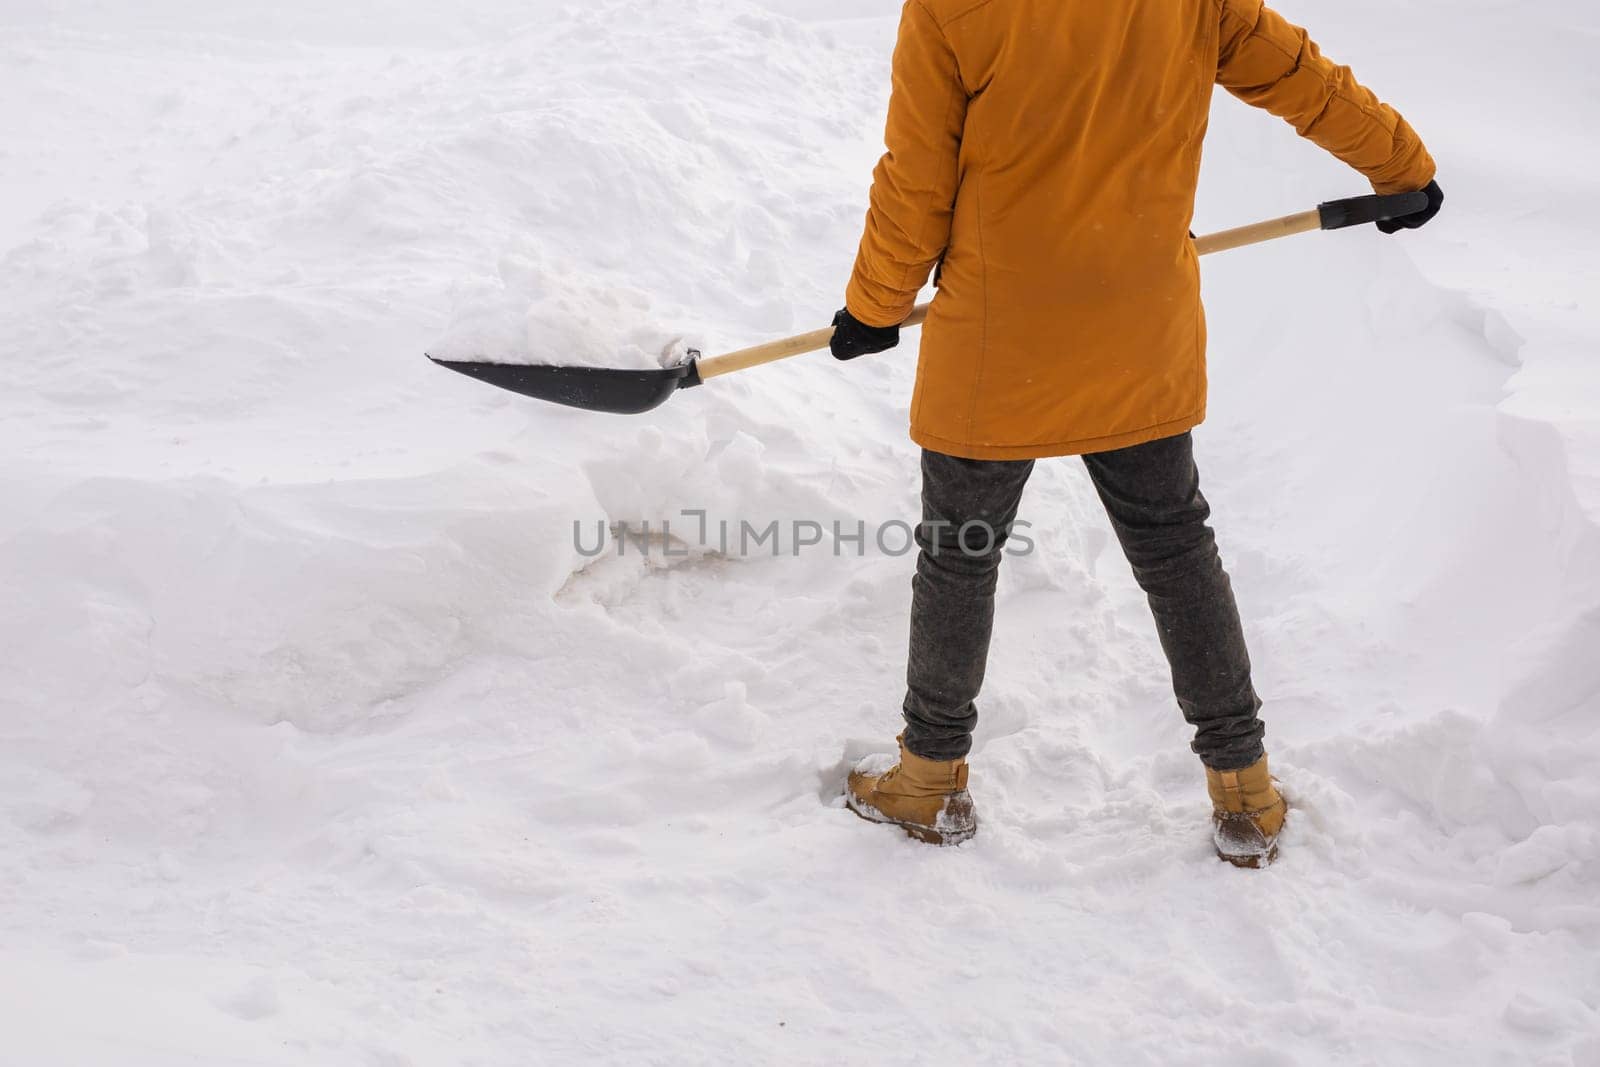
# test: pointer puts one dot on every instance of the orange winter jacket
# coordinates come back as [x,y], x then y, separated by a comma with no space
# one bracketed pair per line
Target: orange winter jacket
[1045,154]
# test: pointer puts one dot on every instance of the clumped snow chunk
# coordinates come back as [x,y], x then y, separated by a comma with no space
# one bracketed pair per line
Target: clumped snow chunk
[877,763]
[531,315]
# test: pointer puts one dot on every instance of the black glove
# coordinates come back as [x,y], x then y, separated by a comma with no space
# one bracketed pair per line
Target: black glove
[853,338]
[1421,218]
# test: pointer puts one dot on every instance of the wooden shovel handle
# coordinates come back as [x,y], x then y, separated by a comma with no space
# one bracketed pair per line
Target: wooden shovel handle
[1259,232]
[816,340]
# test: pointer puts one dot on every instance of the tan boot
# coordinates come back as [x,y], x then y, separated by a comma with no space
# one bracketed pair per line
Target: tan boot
[1248,816]
[928,799]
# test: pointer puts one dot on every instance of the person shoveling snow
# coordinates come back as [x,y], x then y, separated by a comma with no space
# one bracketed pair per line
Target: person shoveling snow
[1044,158]
[1042,168]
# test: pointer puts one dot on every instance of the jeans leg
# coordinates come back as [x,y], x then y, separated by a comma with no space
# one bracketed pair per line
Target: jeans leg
[1152,494]
[968,507]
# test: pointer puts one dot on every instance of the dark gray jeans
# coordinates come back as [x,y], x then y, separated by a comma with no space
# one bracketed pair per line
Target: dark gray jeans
[1152,494]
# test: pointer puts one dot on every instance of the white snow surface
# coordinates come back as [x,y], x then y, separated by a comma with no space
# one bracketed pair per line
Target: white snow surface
[321,742]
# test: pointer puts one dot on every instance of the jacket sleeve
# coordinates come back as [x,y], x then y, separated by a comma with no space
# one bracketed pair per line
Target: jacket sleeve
[1269,63]
[914,186]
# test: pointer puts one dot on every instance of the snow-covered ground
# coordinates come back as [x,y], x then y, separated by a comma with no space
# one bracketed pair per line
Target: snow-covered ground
[321,741]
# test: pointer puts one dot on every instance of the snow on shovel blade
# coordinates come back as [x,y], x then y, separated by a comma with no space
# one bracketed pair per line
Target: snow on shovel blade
[619,392]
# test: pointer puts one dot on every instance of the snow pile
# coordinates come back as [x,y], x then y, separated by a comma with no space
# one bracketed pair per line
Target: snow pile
[324,738]
[532,315]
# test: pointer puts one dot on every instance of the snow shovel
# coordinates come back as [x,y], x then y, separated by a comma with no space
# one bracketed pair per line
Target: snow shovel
[632,392]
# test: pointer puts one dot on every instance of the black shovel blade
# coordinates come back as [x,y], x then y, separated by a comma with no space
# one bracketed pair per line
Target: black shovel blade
[619,392]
